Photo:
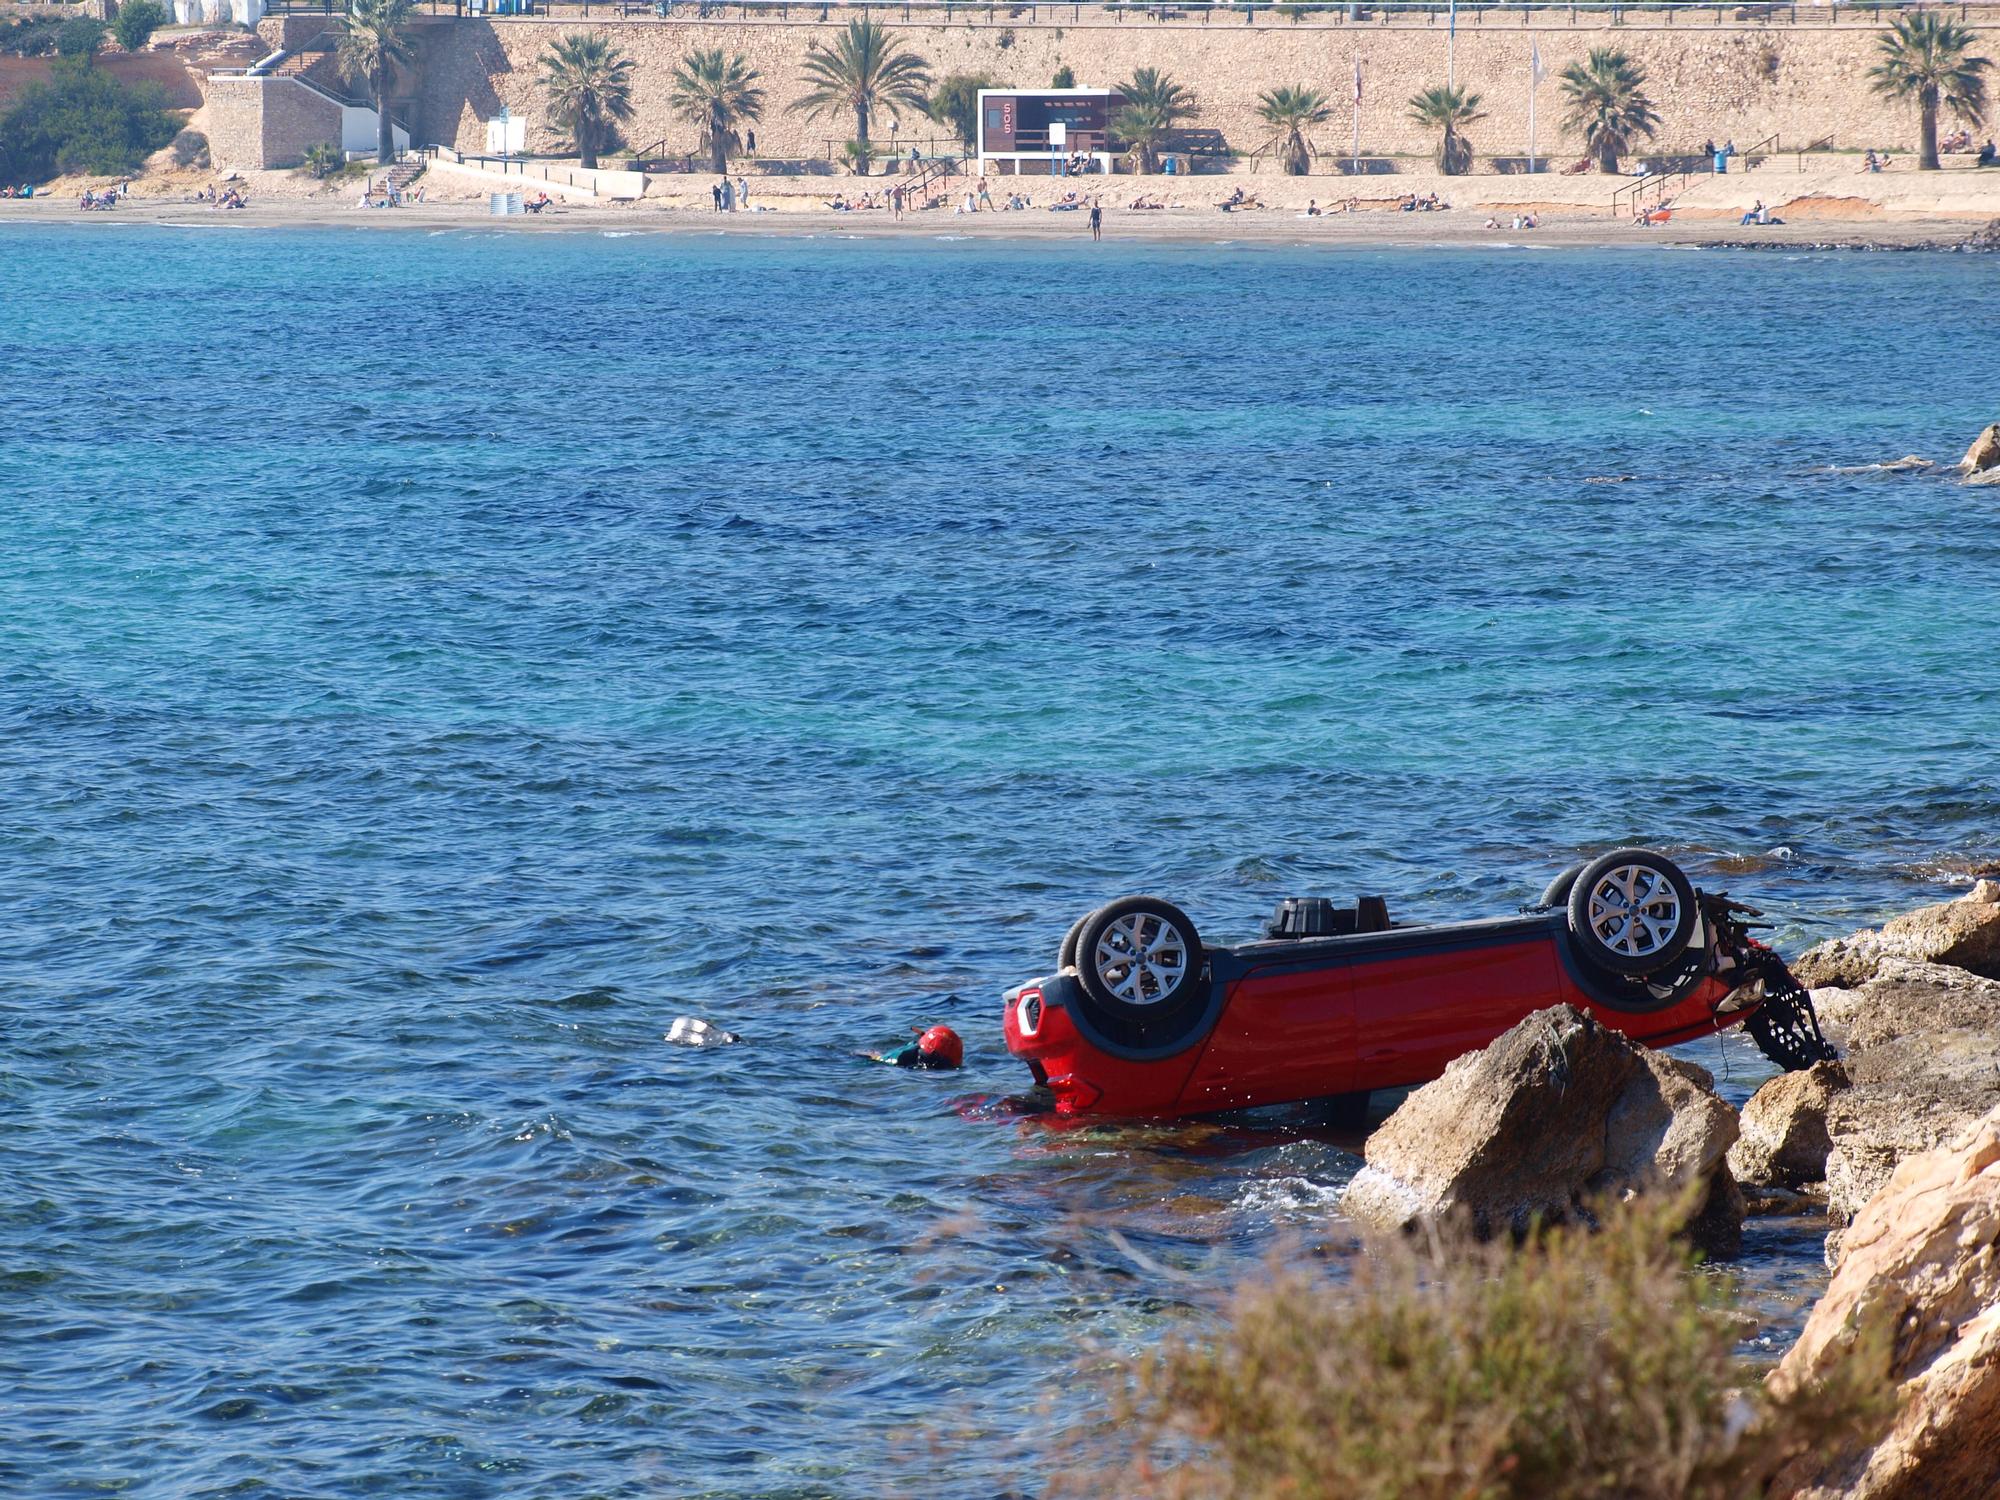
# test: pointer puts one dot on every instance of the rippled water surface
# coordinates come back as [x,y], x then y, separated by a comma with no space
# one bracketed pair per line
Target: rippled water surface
[430,664]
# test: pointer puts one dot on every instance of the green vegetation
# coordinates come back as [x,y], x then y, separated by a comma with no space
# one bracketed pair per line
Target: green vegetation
[1924,57]
[716,93]
[866,69]
[136,22]
[1291,111]
[79,36]
[955,102]
[1608,105]
[322,159]
[1064,79]
[83,120]
[1154,106]
[1450,110]
[30,38]
[374,41]
[191,149]
[589,87]
[1582,1364]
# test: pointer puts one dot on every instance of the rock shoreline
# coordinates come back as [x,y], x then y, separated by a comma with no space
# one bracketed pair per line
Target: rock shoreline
[1901,1137]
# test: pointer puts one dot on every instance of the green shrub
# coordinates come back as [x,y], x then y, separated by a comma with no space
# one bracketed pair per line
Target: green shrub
[34,38]
[191,149]
[1580,1365]
[321,159]
[79,36]
[1064,79]
[955,103]
[136,22]
[81,119]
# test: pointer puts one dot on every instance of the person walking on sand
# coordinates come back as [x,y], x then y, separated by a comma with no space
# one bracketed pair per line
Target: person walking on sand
[742,192]
[1096,219]
[715,192]
[985,193]
[896,202]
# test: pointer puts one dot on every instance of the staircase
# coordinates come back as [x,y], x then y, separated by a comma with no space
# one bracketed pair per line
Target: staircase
[932,172]
[403,173]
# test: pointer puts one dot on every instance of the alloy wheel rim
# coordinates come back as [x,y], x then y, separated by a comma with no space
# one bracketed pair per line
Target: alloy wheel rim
[1141,958]
[1634,910]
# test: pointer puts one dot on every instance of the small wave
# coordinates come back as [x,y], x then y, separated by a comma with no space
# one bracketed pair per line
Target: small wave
[618,234]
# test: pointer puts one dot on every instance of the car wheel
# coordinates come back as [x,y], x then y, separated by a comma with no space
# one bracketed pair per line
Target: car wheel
[1631,912]
[1556,892]
[1138,957]
[1066,954]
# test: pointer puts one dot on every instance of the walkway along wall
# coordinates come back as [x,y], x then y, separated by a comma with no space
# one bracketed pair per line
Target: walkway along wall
[1742,81]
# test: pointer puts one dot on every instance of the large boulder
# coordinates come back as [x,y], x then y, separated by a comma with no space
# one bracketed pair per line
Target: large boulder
[1555,1114]
[1984,453]
[1964,933]
[1922,1260]
[1783,1141]
[1922,1054]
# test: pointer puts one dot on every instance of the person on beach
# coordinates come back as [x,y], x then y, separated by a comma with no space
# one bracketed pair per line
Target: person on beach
[1757,215]
[1312,208]
[985,194]
[936,1048]
[750,142]
[1989,156]
[715,192]
[1096,220]
[742,192]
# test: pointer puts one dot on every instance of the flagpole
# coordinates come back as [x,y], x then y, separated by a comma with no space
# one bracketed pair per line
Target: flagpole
[1534,70]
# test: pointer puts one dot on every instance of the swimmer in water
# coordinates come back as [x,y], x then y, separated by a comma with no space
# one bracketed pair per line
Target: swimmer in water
[935,1047]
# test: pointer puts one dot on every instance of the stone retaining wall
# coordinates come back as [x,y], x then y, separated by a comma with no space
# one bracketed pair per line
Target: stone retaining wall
[1746,82]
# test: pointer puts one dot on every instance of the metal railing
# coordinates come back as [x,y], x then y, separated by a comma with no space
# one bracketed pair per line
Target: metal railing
[1332,13]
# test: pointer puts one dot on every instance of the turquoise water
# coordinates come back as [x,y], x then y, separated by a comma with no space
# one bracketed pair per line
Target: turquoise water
[429,664]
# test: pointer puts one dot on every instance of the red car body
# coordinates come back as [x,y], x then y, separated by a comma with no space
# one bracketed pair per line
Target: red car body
[1299,1019]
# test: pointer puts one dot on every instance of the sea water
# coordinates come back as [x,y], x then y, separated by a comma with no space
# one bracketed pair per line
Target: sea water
[429,665]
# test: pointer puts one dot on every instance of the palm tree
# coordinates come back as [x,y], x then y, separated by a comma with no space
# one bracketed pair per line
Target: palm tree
[1608,105]
[717,93]
[374,42]
[589,84]
[865,70]
[1923,58]
[1154,106]
[1449,109]
[1291,111]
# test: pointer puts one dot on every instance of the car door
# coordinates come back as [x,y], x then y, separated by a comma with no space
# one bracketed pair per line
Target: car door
[1286,1033]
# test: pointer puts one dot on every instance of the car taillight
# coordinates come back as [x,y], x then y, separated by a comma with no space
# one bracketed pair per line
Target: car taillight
[1028,1012]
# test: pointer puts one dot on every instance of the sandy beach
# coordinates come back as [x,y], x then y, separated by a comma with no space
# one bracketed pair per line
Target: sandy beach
[1206,225]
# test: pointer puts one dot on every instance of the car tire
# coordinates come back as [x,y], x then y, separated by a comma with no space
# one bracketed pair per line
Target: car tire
[1163,941]
[1066,954]
[1556,892]
[1632,912]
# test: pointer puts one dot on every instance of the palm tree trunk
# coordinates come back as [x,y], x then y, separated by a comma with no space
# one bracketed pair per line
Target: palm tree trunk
[718,144]
[1607,157]
[1927,155]
[586,138]
[861,135]
[385,132]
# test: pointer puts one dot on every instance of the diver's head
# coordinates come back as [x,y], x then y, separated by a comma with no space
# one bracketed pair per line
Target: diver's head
[940,1047]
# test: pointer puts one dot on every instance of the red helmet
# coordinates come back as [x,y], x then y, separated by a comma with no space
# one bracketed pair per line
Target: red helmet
[941,1048]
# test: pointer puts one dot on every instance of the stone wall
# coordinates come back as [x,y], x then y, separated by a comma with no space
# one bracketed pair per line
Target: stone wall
[1803,82]
[266,122]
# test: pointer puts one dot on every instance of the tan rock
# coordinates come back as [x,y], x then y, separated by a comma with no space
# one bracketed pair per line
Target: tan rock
[1964,933]
[1556,1113]
[1784,1141]
[1984,453]
[1922,1257]
[1922,1045]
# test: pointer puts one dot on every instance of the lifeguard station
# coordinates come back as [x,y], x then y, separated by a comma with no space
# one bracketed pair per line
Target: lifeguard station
[1039,130]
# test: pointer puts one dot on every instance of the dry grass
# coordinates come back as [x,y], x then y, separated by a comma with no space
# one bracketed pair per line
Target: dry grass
[1580,1364]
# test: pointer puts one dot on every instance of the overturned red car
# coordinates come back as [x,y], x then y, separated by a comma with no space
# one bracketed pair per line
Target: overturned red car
[1142,1019]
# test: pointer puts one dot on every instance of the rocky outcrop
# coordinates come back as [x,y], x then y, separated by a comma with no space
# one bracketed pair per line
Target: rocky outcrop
[1553,1115]
[1964,934]
[1984,453]
[1922,1053]
[1783,1141]
[1923,1260]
